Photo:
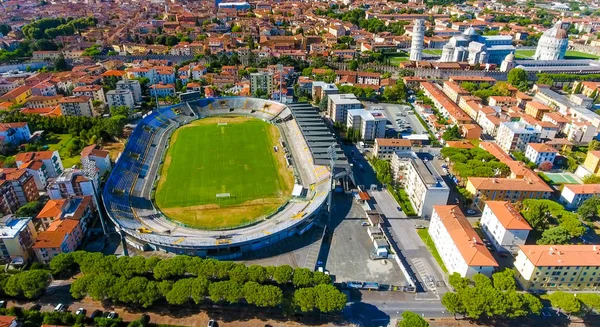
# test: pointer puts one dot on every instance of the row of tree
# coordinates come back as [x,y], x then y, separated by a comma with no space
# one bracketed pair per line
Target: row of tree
[474,162]
[490,298]
[575,304]
[91,263]
[90,129]
[49,28]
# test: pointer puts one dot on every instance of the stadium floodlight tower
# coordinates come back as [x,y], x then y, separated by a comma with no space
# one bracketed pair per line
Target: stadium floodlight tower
[332,158]
[280,70]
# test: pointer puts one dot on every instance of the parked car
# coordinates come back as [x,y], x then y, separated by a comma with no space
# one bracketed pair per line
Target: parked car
[211,323]
[471,212]
[96,314]
[80,311]
[419,226]
[364,223]
[399,209]
[60,308]
[112,315]
[2,304]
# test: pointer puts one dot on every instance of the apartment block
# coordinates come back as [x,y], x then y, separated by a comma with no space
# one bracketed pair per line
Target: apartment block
[118,98]
[573,195]
[370,124]
[504,225]
[94,157]
[50,160]
[514,136]
[339,104]
[96,92]
[422,183]
[16,237]
[592,162]
[385,148]
[459,246]
[540,152]
[22,183]
[72,182]
[261,82]
[14,133]
[558,267]
[76,106]
[62,236]
[133,86]
[321,89]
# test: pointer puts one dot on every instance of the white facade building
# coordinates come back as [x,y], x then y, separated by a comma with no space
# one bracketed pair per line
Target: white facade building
[504,225]
[117,98]
[339,104]
[540,152]
[371,124]
[133,86]
[16,237]
[514,136]
[459,246]
[422,183]
[385,148]
[72,183]
[573,195]
[553,43]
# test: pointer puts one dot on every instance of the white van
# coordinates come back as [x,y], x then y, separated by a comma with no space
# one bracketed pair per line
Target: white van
[59,308]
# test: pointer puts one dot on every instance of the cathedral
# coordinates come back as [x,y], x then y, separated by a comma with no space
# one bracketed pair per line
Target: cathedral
[477,49]
[553,43]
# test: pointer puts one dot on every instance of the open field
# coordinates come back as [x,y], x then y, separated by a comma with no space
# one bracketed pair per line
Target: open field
[205,159]
[397,57]
[433,52]
[570,54]
[60,143]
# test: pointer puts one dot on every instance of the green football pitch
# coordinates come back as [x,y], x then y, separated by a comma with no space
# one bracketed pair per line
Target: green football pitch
[232,157]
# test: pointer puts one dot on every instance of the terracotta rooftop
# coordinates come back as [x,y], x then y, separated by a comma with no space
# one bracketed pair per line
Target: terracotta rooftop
[562,255]
[465,238]
[508,215]
[393,142]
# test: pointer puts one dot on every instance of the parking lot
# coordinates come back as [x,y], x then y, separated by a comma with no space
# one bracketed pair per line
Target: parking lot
[401,119]
[347,253]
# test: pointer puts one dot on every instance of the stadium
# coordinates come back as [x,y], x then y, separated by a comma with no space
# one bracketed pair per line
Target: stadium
[162,194]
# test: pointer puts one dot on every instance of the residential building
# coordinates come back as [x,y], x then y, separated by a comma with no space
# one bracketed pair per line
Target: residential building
[370,123]
[573,195]
[339,104]
[62,236]
[422,183]
[96,92]
[322,89]
[162,90]
[8,321]
[38,170]
[261,83]
[385,148]
[592,162]
[16,237]
[18,95]
[50,159]
[459,246]
[22,183]
[14,133]
[558,267]
[118,98]
[92,157]
[133,86]
[536,109]
[76,106]
[39,101]
[540,152]
[80,208]
[514,136]
[504,225]
[72,182]
[43,89]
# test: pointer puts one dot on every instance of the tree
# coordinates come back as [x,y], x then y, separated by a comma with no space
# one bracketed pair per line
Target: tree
[60,64]
[590,301]
[188,289]
[594,145]
[304,299]
[452,302]
[591,179]
[28,284]
[536,214]
[589,208]
[302,277]
[566,302]
[505,280]
[555,235]
[517,77]
[545,166]
[119,111]
[323,103]
[329,299]
[30,209]
[283,274]
[228,291]
[458,282]
[61,263]
[452,134]
[411,319]
[258,274]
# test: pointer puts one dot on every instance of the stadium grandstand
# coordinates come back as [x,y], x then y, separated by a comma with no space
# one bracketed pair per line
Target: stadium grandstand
[128,192]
